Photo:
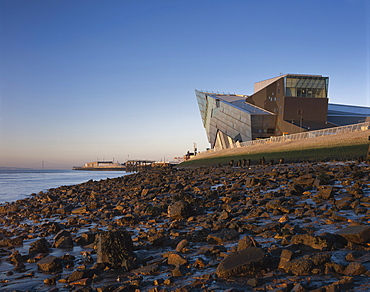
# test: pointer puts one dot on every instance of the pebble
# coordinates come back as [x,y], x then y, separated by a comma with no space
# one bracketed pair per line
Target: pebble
[264,227]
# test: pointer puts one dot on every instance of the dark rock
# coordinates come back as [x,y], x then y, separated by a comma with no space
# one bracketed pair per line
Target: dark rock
[249,261]
[298,288]
[16,257]
[52,281]
[61,233]
[331,267]
[85,238]
[247,241]
[157,239]
[179,210]
[274,204]
[336,217]
[355,269]
[64,242]
[353,255]
[344,204]
[295,190]
[81,274]
[12,242]
[181,245]
[83,282]
[307,180]
[325,192]
[285,257]
[146,270]
[254,282]
[304,265]
[116,249]
[55,227]
[81,210]
[39,246]
[76,275]
[50,264]
[344,284]
[179,271]
[356,234]
[63,210]
[223,236]
[176,259]
[251,181]
[127,220]
[20,267]
[9,209]
[316,242]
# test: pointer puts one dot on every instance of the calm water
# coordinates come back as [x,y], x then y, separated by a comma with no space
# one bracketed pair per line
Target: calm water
[19,184]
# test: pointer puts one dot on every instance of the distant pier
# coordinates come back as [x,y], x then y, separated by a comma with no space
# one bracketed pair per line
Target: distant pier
[137,165]
[129,166]
[101,166]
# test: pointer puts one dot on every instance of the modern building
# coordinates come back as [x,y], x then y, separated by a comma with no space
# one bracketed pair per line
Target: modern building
[286,104]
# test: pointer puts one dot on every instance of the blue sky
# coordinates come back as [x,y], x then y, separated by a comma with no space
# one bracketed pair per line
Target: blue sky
[81,80]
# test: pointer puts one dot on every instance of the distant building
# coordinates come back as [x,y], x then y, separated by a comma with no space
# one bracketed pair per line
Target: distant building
[286,104]
[101,164]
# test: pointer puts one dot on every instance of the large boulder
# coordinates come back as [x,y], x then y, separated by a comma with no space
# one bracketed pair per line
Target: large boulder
[63,239]
[223,236]
[305,264]
[39,246]
[179,210]
[355,269]
[50,264]
[249,261]
[356,234]
[315,242]
[116,249]
[247,241]
[325,192]
[10,242]
[176,259]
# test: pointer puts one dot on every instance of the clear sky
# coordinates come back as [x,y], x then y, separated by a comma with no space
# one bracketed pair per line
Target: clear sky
[88,79]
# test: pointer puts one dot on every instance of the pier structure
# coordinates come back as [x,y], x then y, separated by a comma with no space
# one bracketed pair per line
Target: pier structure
[137,165]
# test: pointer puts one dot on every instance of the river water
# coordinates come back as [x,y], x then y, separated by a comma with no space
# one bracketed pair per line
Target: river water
[19,184]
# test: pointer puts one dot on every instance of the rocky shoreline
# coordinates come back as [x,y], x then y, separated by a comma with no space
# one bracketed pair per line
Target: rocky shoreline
[286,227]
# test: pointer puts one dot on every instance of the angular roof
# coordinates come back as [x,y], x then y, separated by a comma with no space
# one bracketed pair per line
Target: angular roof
[239,102]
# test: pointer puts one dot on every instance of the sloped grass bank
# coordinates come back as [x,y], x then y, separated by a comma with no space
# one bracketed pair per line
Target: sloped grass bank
[312,154]
[342,153]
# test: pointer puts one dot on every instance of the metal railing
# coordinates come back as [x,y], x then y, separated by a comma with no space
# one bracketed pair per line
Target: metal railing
[309,134]
[299,136]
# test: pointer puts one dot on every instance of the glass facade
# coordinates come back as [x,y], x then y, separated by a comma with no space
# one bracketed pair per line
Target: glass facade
[227,123]
[306,86]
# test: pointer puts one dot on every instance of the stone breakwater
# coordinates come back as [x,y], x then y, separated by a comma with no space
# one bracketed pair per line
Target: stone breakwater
[288,227]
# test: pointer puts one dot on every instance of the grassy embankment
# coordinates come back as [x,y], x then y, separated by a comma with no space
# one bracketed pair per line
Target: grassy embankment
[341,147]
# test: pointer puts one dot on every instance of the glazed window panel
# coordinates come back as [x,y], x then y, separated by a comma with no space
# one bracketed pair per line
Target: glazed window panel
[306,86]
